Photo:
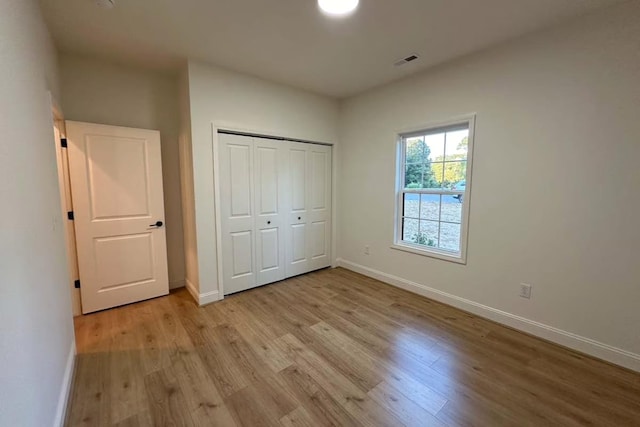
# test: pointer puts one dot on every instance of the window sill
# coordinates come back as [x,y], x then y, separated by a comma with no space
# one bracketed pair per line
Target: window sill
[429,253]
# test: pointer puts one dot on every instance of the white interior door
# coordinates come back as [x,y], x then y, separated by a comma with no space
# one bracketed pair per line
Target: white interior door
[309,232]
[116,184]
[270,166]
[237,212]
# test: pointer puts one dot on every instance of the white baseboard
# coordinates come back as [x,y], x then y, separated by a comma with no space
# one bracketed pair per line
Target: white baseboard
[63,399]
[579,343]
[209,297]
[202,299]
[176,284]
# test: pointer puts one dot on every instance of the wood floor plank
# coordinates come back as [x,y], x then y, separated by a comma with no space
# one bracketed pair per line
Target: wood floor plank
[127,388]
[299,417]
[262,347]
[202,398]
[167,403]
[332,348]
[91,393]
[347,394]
[317,403]
[355,355]
[410,413]
[263,403]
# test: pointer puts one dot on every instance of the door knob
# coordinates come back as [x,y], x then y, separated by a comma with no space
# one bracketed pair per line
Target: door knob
[299,218]
[157,224]
[268,222]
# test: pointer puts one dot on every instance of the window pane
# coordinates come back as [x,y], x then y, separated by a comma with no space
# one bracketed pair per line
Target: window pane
[457,147]
[409,229]
[415,151]
[430,206]
[451,208]
[434,147]
[421,176]
[454,174]
[412,205]
[413,176]
[428,235]
[450,237]
[433,175]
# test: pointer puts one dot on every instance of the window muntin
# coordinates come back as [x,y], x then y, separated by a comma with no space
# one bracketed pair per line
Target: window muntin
[432,202]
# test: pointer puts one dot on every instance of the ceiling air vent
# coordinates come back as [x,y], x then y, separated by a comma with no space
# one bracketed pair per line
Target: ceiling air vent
[406,60]
[106,4]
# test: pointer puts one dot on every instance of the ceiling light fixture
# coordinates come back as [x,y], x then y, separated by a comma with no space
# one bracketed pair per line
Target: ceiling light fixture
[338,7]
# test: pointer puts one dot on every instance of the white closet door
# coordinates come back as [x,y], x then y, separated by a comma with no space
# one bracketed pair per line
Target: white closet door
[309,234]
[297,236]
[270,165]
[319,212]
[237,212]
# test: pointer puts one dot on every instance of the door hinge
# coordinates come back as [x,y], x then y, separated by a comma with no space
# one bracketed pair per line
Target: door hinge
[76,284]
[63,142]
[70,216]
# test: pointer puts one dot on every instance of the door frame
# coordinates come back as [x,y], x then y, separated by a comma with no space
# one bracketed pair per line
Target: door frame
[66,203]
[234,127]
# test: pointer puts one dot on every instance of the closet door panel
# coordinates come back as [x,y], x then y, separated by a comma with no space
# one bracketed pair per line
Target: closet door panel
[237,212]
[298,177]
[270,173]
[298,200]
[319,216]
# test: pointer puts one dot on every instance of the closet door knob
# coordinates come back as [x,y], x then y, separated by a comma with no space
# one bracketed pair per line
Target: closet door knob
[268,222]
[299,218]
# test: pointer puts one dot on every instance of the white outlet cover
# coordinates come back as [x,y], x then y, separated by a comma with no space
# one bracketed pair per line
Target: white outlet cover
[525,290]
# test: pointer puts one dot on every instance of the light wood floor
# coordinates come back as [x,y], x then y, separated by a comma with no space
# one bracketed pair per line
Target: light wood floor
[332,348]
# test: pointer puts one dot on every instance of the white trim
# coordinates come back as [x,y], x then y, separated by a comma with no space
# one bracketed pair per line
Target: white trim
[334,205]
[433,252]
[202,299]
[573,341]
[176,284]
[65,390]
[217,209]
[209,297]
[398,243]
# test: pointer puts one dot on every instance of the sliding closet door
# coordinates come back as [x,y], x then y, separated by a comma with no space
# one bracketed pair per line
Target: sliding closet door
[275,209]
[309,233]
[237,212]
[297,236]
[270,166]
[319,212]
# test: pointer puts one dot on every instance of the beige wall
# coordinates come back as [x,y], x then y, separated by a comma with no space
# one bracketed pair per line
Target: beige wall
[239,101]
[555,182]
[100,92]
[36,329]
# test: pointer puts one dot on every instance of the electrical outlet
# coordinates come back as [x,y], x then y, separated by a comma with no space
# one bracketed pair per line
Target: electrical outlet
[525,290]
[366,250]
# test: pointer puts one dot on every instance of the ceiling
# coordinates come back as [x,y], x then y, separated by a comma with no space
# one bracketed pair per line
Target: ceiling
[290,41]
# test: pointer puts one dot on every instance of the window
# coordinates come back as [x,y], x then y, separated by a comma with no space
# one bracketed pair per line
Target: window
[434,174]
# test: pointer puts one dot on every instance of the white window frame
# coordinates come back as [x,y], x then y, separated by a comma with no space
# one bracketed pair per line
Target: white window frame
[398,243]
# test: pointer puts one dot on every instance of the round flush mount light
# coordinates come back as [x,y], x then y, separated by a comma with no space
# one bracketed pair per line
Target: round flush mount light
[338,7]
